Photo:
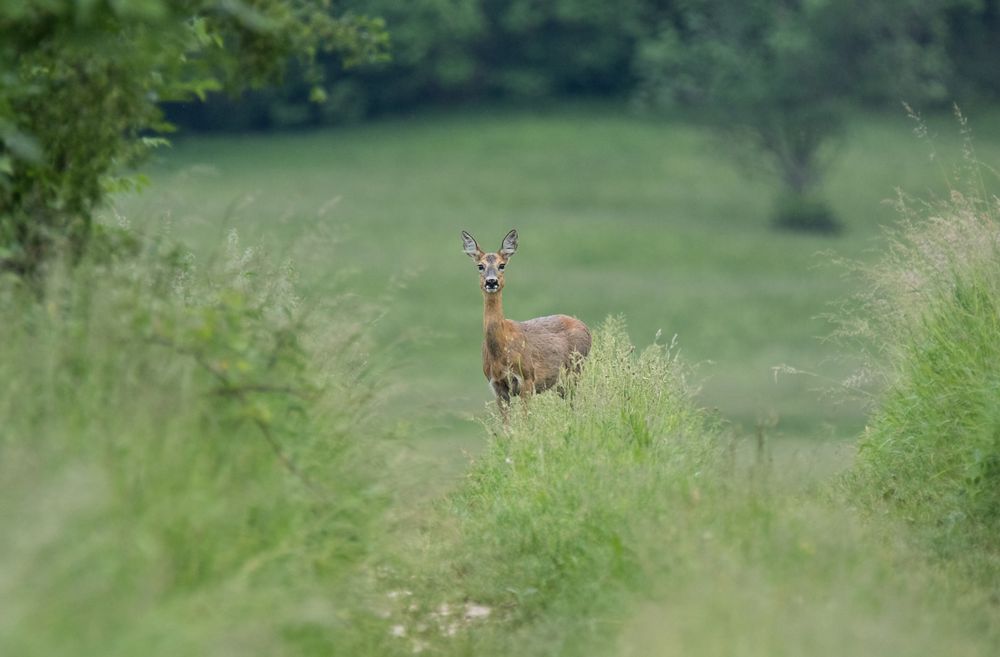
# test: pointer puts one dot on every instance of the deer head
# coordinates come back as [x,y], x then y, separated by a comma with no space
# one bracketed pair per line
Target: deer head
[491,265]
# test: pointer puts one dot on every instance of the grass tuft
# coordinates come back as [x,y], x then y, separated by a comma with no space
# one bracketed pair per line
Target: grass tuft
[931,454]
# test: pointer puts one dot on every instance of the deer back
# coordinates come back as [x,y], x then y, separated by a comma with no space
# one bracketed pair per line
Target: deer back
[536,350]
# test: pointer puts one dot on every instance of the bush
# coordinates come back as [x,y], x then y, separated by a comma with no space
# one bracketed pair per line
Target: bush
[181,460]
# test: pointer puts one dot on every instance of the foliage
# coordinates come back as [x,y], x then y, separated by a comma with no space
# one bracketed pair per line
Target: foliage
[80,84]
[453,50]
[447,51]
[776,77]
[568,46]
[180,460]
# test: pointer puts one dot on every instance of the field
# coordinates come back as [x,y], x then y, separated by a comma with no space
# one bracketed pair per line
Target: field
[171,498]
[617,215]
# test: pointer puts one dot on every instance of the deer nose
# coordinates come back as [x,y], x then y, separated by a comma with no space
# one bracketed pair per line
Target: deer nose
[492,283]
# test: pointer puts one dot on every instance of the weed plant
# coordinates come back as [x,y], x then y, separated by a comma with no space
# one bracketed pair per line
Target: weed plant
[181,459]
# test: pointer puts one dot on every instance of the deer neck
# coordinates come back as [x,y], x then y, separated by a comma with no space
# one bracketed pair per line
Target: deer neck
[493,320]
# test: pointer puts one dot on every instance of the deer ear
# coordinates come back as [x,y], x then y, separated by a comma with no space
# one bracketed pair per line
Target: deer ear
[509,244]
[471,248]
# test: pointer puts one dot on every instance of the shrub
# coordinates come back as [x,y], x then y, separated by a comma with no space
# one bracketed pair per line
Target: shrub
[629,434]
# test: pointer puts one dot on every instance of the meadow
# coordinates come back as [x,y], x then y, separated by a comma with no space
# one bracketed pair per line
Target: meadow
[617,215]
[301,457]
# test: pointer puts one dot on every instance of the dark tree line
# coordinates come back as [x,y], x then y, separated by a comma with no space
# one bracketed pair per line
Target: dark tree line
[450,51]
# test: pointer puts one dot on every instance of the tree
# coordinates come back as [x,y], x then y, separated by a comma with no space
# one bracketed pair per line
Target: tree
[451,51]
[776,77]
[81,82]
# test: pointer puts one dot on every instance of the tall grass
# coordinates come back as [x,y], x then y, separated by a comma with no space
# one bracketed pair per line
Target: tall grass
[186,460]
[932,450]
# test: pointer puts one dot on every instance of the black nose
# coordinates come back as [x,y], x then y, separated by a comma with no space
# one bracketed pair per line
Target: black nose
[492,283]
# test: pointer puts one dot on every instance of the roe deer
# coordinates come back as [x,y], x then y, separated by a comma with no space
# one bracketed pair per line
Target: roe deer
[521,358]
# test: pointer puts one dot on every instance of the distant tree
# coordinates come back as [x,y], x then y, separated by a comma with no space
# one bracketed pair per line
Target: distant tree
[776,77]
[81,82]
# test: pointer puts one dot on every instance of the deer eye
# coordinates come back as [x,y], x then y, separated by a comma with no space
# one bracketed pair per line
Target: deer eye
[482,267]
[500,267]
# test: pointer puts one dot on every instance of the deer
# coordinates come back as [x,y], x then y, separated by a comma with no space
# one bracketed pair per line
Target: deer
[522,358]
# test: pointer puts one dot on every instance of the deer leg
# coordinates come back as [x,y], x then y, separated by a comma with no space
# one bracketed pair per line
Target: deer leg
[502,393]
[527,391]
[504,406]
[570,376]
[566,385]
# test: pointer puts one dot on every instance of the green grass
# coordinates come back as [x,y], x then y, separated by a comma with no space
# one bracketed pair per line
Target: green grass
[622,522]
[195,455]
[931,454]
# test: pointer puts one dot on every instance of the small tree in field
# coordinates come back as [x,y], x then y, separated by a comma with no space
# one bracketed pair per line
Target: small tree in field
[80,85]
[776,77]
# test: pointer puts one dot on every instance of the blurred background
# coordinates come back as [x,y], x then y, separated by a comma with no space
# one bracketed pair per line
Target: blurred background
[694,166]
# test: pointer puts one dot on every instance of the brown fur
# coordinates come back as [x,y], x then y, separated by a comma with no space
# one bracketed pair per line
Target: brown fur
[521,358]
